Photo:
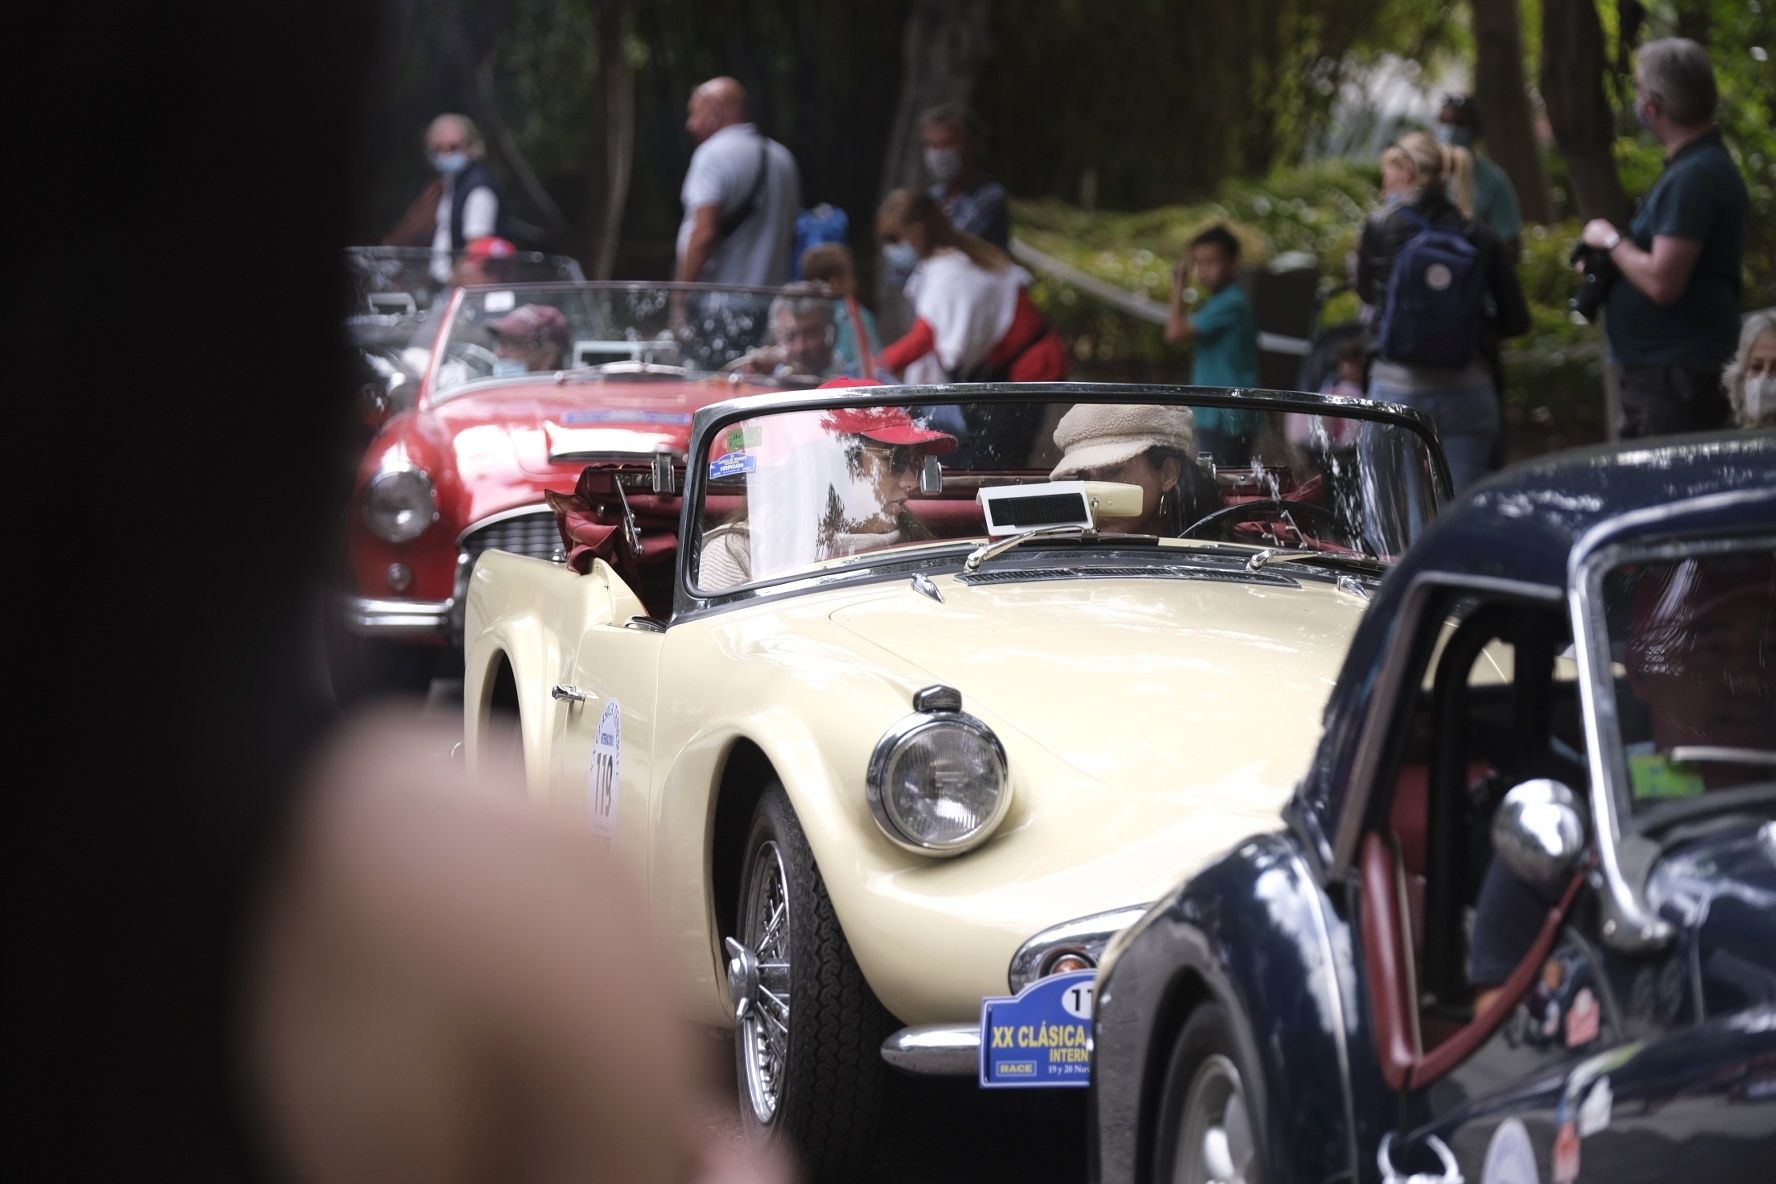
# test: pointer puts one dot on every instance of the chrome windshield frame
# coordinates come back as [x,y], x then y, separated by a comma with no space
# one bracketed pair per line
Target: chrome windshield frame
[714,417]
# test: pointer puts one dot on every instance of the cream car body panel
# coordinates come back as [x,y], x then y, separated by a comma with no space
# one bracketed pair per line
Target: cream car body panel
[1148,723]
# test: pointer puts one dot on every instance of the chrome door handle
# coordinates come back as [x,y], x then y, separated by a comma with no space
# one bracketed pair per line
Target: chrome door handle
[572,694]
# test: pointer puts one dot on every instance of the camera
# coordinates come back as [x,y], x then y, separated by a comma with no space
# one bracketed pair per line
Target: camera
[1599,273]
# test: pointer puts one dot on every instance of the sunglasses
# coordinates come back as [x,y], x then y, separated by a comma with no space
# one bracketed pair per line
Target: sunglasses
[900,458]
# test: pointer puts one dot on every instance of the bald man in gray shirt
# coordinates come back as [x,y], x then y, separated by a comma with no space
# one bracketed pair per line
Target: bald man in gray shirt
[740,194]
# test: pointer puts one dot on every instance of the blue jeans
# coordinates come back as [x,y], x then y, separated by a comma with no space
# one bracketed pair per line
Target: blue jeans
[1467,420]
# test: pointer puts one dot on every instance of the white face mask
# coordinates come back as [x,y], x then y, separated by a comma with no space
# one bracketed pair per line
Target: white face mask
[1760,396]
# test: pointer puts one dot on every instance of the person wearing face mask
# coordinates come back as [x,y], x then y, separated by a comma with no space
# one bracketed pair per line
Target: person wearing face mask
[464,202]
[972,200]
[1670,319]
[1494,199]
[531,337]
[1751,379]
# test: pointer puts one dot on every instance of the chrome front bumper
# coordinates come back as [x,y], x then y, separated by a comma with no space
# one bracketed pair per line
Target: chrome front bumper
[400,620]
[935,1050]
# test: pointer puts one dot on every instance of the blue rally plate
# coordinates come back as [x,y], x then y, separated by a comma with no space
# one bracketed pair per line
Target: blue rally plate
[1041,1038]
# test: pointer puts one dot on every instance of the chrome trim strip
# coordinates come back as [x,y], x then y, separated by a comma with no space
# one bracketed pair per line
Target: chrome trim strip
[504,516]
[1324,933]
[935,1050]
[397,618]
[1085,935]
[1366,761]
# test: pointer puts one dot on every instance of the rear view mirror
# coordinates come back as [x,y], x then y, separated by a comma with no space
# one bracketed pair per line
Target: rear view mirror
[1537,831]
[931,477]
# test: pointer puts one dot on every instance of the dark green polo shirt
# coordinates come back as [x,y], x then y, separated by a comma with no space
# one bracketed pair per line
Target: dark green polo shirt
[1700,196]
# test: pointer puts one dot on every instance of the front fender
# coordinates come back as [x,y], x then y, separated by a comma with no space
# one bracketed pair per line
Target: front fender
[1254,933]
[684,832]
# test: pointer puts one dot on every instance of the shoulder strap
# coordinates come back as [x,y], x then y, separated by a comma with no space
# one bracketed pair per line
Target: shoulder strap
[732,221]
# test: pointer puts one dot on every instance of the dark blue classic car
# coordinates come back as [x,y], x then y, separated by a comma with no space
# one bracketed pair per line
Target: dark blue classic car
[1521,921]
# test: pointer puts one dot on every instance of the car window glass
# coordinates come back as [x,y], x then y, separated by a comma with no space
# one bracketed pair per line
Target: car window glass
[1694,643]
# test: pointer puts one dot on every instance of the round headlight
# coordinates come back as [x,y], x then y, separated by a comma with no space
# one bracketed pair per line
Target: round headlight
[399,504]
[937,782]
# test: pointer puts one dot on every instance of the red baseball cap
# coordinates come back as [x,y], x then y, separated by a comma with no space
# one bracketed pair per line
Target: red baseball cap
[532,322]
[889,425]
[490,246]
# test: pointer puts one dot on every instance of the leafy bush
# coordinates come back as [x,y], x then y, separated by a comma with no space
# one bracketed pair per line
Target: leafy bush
[1553,374]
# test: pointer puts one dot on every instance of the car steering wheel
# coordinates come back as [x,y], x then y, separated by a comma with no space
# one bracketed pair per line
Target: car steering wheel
[1270,508]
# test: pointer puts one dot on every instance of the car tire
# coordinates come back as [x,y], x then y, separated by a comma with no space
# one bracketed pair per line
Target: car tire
[1211,1112]
[820,1089]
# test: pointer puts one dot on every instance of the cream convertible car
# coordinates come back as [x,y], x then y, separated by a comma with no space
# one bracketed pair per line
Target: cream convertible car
[891,722]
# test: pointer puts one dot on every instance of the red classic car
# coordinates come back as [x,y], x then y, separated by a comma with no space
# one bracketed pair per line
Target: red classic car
[526,384]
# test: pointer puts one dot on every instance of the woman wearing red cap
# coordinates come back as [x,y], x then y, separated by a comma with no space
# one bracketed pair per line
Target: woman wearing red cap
[819,485]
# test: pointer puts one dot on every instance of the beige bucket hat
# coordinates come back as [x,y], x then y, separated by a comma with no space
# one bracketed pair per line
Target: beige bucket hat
[1098,435]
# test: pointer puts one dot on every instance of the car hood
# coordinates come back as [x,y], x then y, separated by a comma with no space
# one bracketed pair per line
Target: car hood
[1152,685]
[548,430]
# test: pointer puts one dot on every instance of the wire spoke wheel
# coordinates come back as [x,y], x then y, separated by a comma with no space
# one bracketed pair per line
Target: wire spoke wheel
[762,982]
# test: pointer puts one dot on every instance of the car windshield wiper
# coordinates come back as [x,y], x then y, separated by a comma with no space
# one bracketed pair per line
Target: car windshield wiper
[987,551]
[1274,555]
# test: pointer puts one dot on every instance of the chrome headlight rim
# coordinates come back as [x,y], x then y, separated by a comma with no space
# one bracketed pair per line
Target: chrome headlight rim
[423,521]
[907,730]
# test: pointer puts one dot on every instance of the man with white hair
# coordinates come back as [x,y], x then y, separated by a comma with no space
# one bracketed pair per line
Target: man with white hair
[1673,316]
[467,204]
[741,194]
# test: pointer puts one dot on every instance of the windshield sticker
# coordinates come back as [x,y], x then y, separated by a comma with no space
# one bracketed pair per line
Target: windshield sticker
[1654,776]
[1040,1038]
[746,435]
[1510,1157]
[733,463]
[499,301]
[608,415]
[607,752]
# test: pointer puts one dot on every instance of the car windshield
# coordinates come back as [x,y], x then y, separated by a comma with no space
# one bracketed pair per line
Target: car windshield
[387,282]
[591,331]
[795,490]
[1694,640]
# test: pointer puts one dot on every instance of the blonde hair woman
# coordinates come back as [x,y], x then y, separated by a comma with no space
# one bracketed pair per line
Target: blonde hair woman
[1460,396]
[1458,178]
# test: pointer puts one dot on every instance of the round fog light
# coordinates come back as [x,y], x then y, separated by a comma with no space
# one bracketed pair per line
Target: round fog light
[1070,963]
[400,577]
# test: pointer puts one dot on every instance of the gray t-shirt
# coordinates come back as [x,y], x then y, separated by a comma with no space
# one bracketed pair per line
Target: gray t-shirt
[722,172]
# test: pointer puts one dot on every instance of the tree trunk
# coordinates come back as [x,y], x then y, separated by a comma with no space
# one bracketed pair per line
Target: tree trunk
[1573,66]
[611,170]
[941,56]
[1503,93]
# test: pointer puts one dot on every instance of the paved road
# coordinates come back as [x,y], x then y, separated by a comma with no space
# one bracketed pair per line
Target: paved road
[946,1131]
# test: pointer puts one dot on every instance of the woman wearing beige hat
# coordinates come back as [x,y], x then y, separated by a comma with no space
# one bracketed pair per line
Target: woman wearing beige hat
[1135,445]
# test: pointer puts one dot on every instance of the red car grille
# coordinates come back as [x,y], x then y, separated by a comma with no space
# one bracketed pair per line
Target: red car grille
[523,534]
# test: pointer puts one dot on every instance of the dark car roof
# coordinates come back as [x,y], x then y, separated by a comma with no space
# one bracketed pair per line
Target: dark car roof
[1525,526]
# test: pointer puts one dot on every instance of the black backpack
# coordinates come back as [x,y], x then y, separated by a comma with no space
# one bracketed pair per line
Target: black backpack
[1435,299]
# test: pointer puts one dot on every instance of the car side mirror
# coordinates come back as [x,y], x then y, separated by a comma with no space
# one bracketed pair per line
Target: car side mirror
[1538,832]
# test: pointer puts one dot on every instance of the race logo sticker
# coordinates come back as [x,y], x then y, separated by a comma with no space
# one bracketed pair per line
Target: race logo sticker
[1040,1038]
[1437,277]
[1510,1157]
[1566,1154]
[1582,1019]
[607,753]
[732,464]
